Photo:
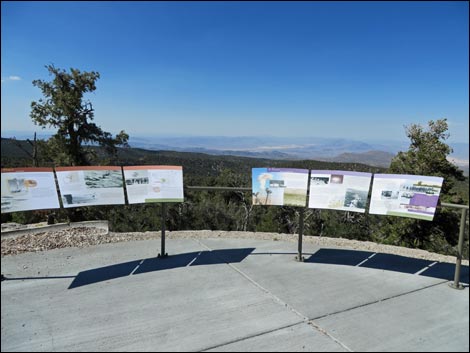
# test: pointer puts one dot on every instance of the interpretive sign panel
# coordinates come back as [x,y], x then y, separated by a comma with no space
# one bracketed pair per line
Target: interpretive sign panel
[411,196]
[154,183]
[339,190]
[28,189]
[89,186]
[279,186]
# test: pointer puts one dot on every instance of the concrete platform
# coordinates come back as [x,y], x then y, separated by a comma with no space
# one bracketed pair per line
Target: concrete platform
[228,295]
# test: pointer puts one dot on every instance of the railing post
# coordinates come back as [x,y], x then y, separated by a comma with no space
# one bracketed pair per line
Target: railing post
[163,253]
[458,262]
[299,256]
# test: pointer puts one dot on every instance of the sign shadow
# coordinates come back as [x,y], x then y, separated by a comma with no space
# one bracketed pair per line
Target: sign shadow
[388,262]
[106,273]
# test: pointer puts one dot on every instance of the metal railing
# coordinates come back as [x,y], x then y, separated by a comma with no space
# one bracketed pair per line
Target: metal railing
[463,221]
[458,263]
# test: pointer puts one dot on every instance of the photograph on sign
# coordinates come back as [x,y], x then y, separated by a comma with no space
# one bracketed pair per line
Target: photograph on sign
[279,186]
[412,196]
[339,190]
[89,186]
[154,183]
[28,189]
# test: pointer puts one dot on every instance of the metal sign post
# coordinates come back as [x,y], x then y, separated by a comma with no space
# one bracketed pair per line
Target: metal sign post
[163,254]
[299,256]
[458,262]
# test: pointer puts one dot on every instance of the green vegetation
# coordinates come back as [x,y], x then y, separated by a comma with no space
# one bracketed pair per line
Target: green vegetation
[427,155]
[231,210]
[64,108]
[79,142]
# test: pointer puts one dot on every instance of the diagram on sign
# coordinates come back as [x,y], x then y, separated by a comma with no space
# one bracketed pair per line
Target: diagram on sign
[154,184]
[28,189]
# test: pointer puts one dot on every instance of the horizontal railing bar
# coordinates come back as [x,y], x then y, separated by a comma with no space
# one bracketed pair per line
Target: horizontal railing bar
[453,205]
[217,188]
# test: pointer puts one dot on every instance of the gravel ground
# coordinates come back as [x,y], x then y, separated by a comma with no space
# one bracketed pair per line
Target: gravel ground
[86,236]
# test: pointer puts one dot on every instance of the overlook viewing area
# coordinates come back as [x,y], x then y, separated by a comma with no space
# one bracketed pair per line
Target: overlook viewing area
[231,291]
[231,176]
[218,293]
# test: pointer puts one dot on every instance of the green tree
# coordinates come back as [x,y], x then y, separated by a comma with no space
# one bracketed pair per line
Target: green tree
[64,107]
[427,155]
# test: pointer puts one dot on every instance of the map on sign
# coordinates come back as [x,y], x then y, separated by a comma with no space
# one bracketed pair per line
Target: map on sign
[339,190]
[28,189]
[279,186]
[154,184]
[89,186]
[412,196]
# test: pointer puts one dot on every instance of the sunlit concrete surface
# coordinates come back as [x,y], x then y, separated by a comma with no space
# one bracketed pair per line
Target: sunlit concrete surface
[228,295]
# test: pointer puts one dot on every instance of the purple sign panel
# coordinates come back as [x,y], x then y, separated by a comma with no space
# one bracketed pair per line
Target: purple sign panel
[411,196]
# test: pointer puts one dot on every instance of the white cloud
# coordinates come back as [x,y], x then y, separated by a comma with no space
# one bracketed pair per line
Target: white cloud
[11,78]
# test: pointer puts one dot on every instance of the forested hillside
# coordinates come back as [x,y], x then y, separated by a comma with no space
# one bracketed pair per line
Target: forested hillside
[234,210]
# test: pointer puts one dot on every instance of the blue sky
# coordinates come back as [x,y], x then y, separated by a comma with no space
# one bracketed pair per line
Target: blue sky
[359,70]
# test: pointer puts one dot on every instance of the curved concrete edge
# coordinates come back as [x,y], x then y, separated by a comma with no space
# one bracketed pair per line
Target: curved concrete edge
[57,227]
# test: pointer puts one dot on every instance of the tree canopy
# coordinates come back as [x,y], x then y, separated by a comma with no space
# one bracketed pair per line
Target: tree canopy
[427,154]
[65,108]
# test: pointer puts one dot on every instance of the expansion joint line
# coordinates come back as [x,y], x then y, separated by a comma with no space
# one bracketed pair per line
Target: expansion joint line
[282,303]
[317,327]
[324,332]
[256,284]
[250,337]
[381,300]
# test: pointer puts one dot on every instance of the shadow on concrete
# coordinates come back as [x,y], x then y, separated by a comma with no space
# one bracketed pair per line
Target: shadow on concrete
[388,262]
[446,271]
[396,263]
[124,269]
[339,257]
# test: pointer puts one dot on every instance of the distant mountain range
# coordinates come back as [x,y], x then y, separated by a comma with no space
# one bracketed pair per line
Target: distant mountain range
[283,148]
[317,148]
[274,148]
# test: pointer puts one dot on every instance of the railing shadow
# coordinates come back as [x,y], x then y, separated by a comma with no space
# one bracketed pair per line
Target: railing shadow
[388,262]
[136,267]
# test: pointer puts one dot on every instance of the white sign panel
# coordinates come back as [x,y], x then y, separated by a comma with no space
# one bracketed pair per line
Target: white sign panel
[89,186]
[279,186]
[339,190]
[157,183]
[28,189]
[411,196]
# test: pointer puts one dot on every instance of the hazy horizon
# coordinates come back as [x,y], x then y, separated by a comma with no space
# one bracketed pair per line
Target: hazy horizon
[45,133]
[136,140]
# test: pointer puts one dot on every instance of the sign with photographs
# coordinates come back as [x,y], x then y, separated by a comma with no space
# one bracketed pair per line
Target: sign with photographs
[154,183]
[89,186]
[411,196]
[339,190]
[28,189]
[279,186]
